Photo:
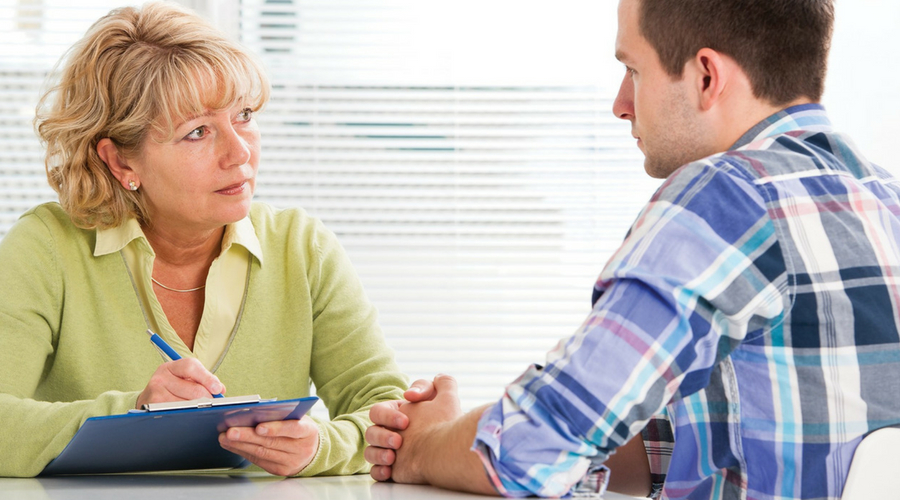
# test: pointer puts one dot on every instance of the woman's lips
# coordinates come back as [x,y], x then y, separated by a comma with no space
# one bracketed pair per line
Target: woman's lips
[233,189]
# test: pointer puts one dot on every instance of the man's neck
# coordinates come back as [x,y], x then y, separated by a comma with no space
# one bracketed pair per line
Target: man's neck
[740,119]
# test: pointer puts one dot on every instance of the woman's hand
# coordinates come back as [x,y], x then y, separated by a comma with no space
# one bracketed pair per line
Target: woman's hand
[283,448]
[180,380]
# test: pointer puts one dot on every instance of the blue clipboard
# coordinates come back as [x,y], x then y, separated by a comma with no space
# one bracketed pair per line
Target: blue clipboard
[180,439]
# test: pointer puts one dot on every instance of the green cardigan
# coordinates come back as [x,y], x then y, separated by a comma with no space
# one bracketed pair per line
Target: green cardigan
[72,341]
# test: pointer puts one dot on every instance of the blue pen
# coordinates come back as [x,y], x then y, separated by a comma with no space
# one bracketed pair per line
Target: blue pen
[167,350]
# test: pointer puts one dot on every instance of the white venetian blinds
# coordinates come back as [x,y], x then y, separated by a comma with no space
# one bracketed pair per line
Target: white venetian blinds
[467,157]
[464,152]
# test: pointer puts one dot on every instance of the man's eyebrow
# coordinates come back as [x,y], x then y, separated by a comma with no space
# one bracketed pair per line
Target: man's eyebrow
[621,56]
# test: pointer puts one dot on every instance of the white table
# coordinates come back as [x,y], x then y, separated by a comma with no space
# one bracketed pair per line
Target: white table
[243,486]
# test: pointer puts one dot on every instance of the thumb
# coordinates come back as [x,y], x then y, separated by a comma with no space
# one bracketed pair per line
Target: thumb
[445,385]
[420,390]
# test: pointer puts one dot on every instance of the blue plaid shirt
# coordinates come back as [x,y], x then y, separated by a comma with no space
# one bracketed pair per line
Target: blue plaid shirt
[754,303]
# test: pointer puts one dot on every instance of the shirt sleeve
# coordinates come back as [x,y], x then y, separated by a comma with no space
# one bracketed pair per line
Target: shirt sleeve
[34,432]
[693,277]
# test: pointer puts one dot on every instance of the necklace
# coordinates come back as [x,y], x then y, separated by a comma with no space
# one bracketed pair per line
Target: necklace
[175,289]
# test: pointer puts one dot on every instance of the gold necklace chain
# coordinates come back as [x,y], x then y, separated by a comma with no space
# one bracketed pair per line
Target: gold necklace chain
[175,289]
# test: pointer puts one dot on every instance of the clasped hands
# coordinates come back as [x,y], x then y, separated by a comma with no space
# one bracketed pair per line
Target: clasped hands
[283,448]
[405,435]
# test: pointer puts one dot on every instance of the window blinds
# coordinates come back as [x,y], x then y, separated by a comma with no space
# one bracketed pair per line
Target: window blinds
[33,35]
[478,193]
[466,156]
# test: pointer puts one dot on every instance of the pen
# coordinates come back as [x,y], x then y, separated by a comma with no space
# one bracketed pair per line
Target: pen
[167,350]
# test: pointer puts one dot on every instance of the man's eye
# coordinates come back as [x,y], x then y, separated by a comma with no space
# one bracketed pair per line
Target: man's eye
[245,115]
[197,133]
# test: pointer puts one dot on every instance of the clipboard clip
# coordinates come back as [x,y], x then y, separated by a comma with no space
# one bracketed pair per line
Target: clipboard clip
[202,403]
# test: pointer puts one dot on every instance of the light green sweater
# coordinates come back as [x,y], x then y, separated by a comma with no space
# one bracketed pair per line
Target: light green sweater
[72,341]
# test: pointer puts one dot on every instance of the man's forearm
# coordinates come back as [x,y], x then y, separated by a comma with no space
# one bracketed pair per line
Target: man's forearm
[449,461]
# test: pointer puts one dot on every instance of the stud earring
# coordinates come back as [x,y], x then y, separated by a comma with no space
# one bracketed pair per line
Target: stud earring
[132,185]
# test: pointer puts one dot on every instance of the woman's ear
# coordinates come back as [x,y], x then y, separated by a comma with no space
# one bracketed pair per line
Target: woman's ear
[117,165]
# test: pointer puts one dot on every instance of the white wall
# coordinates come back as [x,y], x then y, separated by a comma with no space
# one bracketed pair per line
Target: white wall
[861,92]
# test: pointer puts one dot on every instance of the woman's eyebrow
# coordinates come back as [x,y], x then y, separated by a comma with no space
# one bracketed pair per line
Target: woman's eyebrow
[208,112]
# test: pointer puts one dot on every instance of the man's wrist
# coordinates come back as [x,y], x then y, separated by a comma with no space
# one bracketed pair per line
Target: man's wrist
[449,461]
[429,460]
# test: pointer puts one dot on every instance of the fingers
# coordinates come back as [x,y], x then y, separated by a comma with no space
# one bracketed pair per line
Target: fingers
[379,456]
[175,389]
[380,473]
[387,414]
[275,461]
[180,380]
[420,390]
[294,429]
[191,369]
[281,448]
[382,437]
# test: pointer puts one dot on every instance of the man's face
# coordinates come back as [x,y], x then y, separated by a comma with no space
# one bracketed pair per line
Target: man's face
[663,117]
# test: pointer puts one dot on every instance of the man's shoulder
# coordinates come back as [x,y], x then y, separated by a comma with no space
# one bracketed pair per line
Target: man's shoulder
[707,177]
[799,153]
[783,157]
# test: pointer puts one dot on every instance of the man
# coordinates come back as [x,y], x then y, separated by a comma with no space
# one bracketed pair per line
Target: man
[750,316]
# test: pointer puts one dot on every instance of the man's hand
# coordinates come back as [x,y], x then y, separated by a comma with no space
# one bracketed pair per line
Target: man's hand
[427,441]
[427,419]
[180,380]
[283,447]
[383,437]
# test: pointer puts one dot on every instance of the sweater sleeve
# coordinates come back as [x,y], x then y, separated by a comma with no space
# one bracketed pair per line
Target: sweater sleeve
[33,432]
[352,366]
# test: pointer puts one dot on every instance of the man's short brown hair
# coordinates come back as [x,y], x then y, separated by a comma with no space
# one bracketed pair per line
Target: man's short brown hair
[782,45]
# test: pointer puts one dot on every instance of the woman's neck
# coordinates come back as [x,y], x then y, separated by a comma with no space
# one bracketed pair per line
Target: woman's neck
[183,248]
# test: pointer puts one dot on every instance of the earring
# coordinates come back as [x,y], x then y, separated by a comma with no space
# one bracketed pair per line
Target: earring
[132,185]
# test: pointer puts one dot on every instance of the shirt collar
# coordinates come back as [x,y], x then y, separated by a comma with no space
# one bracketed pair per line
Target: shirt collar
[113,239]
[242,233]
[808,117]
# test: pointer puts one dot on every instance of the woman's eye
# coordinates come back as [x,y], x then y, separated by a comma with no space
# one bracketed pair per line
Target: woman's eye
[197,133]
[245,115]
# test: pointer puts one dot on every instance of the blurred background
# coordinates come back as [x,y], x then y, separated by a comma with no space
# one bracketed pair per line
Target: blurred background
[464,151]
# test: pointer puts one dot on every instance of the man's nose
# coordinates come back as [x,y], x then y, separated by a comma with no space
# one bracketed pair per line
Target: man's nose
[623,106]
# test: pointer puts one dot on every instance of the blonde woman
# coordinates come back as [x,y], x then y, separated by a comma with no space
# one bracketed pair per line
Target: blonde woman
[153,148]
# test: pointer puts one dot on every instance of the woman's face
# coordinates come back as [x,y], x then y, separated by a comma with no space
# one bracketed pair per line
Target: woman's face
[205,176]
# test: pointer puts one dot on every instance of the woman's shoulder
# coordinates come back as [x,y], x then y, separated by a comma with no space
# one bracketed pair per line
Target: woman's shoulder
[271,223]
[48,225]
[52,218]
[269,218]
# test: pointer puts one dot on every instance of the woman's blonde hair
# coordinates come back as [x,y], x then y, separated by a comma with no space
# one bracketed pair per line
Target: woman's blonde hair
[136,71]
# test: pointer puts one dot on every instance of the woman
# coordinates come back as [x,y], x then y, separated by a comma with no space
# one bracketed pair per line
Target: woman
[153,149]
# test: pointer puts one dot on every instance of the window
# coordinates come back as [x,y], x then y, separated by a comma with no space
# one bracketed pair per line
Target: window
[464,152]
[479,184]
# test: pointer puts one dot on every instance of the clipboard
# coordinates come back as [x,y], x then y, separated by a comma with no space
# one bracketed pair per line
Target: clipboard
[162,439]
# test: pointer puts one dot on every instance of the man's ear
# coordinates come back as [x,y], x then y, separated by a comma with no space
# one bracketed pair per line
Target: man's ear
[711,71]
[116,163]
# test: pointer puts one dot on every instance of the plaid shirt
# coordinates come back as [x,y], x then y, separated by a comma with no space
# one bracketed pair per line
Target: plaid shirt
[754,302]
